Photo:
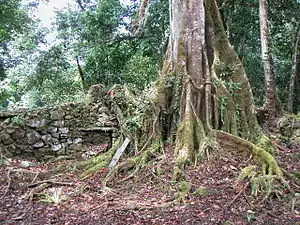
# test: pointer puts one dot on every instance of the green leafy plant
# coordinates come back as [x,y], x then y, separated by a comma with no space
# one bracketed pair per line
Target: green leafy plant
[56,197]
[250,216]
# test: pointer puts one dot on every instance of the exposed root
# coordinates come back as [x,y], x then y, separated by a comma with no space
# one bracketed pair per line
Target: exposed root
[148,154]
[265,185]
[121,167]
[266,179]
[49,182]
[264,159]
[136,162]
[95,164]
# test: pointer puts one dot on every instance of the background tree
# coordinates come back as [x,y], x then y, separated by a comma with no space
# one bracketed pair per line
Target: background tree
[242,26]
[267,59]
[295,91]
[14,19]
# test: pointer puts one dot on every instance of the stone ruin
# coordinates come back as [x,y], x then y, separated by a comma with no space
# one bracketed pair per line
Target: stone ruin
[59,130]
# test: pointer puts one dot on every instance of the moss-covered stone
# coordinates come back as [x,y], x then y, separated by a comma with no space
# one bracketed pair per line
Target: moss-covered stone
[202,191]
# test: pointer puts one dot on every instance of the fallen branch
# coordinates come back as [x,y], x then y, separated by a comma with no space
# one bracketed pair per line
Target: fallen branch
[280,147]
[49,182]
[118,153]
[37,189]
[35,177]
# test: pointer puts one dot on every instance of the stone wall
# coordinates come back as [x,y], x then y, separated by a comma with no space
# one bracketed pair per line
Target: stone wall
[58,130]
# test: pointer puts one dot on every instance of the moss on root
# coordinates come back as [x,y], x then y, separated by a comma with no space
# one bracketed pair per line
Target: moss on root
[184,190]
[265,160]
[266,177]
[93,165]
[203,191]
[137,162]
[264,185]
[265,143]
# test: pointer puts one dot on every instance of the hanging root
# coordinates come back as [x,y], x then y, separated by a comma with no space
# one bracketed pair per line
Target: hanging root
[191,135]
[184,146]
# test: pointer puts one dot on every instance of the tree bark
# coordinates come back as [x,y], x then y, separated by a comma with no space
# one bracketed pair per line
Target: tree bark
[194,98]
[295,64]
[270,83]
[199,54]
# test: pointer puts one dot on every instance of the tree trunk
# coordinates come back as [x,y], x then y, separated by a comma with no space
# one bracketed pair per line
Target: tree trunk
[295,64]
[270,83]
[201,58]
[203,96]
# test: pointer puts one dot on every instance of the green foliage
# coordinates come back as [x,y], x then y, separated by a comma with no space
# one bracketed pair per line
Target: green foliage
[55,198]
[223,108]
[185,187]
[13,19]
[242,24]
[4,95]
[140,70]
[97,38]
[111,55]
[51,79]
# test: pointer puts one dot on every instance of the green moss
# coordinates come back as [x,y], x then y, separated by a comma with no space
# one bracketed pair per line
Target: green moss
[296,174]
[266,161]
[95,164]
[265,143]
[178,174]
[202,191]
[248,172]
[135,160]
[262,184]
[185,187]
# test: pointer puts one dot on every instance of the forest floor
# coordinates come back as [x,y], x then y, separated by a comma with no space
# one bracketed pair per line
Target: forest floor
[152,199]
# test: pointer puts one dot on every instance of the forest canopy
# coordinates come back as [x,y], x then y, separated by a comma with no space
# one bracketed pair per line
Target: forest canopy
[100,36]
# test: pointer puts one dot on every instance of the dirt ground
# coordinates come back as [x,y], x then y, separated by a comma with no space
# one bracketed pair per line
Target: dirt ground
[152,199]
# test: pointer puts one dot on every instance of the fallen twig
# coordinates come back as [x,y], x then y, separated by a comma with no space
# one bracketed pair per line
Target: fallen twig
[126,178]
[238,195]
[36,175]
[8,183]
[249,158]
[280,147]
[35,190]
[49,181]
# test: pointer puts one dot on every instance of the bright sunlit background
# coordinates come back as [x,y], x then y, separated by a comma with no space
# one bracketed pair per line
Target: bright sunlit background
[46,13]
[46,10]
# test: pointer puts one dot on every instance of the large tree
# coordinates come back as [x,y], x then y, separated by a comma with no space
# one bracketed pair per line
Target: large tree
[202,98]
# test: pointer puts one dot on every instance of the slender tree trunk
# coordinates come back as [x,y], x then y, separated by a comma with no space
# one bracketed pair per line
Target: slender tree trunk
[295,62]
[270,84]
[81,74]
